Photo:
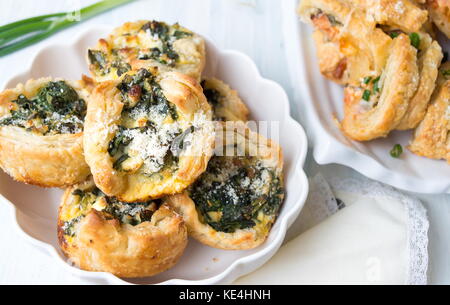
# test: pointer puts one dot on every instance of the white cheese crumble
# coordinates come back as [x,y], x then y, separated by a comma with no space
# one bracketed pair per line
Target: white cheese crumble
[71,119]
[152,145]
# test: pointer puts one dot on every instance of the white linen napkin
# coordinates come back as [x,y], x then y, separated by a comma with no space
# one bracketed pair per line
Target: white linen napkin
[368,233]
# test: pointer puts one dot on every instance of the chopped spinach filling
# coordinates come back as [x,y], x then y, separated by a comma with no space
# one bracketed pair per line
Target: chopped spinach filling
[56,109]
[145,102]
[233,192]
[165,54]
[141,92]
[213,97]
[98,59]
[127,213]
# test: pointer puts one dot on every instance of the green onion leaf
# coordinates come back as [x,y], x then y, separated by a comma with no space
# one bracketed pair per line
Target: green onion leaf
[415,40]
[394,34]
[396,151]
[31,20]
[20,34]
[376,85]
[366,95]
[367,79]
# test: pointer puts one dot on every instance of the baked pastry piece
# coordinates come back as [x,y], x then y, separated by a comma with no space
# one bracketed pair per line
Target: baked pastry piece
[100,233]
[439,11]
[349,45]
[378,105]
[225,102]
[401,14]
[429,58]
[431,138]
[148,135]
[234,204]
[144,44]
[41,132]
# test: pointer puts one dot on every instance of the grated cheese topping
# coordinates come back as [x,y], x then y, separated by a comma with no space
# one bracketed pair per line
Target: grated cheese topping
[152,145]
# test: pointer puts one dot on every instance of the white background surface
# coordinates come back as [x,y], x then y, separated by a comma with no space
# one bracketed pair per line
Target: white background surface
[251,26]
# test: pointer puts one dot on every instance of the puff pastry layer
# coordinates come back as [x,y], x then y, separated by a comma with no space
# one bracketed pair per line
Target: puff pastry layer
[440,14]
[349,45]
[100,233]
[148,135]
[144,44]
[431,138]
[429,58]
[225,102]
[41,132]
[235,202]
[371,112]
[405,15]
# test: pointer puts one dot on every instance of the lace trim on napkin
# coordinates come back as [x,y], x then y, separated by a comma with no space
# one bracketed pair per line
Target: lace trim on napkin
[417,222]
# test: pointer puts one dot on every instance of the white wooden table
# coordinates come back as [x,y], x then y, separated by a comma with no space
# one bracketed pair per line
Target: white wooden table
[250,26]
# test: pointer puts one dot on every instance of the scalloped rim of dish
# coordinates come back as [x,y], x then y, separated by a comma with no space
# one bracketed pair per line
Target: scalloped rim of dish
[329,150]
[233,271]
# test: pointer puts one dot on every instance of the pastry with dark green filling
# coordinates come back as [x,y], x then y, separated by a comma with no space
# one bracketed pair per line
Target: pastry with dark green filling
[41,131]
[225,102]
[234,204]
[145,44]
[101,233]
[148,134]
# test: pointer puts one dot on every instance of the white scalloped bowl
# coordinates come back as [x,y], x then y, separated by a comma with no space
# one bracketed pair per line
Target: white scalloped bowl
[35,209]
[319,100]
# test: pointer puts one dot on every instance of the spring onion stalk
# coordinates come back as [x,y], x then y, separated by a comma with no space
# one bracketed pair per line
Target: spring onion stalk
[20,34]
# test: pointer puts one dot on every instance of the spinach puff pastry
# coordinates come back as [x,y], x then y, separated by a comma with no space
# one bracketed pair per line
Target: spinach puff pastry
[431,138]
[225,102]
[41,132]
[234,204]
[144,44]
[100,233]
[148,135]
[377,105]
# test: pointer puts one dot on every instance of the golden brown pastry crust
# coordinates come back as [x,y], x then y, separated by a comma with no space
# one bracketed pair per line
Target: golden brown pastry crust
[431,138]
[349,45]
[430,58]
[106,245]
[401,14]
[129,41]
[399,82]
[229,106]
[43,160]
[103,117]
[439,11]
[270,154]
[332,62]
